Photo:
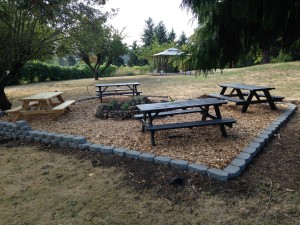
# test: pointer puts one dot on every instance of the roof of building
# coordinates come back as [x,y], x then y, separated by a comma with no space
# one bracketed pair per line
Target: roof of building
[170,52]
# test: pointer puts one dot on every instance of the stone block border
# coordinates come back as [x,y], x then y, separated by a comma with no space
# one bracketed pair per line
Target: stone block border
[21,130]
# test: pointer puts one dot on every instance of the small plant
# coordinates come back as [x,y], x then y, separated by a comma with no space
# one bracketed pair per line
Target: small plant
[113,104]
[171,99]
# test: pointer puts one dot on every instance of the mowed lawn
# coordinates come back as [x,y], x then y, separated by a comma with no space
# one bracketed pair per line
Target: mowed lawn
[283,76]
[42,185]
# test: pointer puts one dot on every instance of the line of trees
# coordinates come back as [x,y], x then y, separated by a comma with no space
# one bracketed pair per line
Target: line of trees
[230,30]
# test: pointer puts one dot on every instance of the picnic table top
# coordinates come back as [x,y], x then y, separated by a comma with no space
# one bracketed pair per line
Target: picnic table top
[246,87]
[180,104]
[117,84]
[42,96]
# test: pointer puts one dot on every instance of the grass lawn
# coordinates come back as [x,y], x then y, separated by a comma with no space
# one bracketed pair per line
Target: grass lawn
[41,184]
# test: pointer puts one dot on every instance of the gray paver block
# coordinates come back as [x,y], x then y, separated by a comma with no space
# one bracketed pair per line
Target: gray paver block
[95,147]
[179,163]
[260,141]
[54,142]
[218,174]
[85,146]
[25,128]
[254,145]
[245,156]
[162,160]
[239,162]
[41,134]
[63,144]
[50,136]
[148,157]
[79,140]
[29,138]
[119,152]
[272,128]
[37,139]
[107,149]
[33,133]
[21,123]
[73,145]
[58,137]
[68,138]
[267,132]
[45,141]
[132,154]
[233,171]
[264,136]
[197,168]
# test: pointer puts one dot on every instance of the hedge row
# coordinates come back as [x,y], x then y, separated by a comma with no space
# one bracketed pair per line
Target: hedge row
[39,72]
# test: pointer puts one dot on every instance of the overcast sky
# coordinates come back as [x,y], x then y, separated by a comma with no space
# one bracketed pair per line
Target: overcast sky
[133,14]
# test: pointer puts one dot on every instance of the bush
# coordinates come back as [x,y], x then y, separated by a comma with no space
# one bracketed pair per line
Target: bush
[39,72]
[282,57]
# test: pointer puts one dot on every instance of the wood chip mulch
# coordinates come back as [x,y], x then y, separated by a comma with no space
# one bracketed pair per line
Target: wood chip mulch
[203,145]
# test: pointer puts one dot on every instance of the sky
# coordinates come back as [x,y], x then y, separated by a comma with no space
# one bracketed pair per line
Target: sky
[133,14]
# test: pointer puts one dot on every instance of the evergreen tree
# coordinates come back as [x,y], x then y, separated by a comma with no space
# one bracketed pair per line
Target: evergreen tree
[182,39]
[172,36]
[148,32]
[161,33]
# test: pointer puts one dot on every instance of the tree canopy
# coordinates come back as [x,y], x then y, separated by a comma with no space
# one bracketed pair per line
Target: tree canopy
[32,29]
[231,28]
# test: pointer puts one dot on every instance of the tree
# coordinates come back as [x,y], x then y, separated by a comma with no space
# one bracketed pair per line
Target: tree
[229,28]
[161,33]
[133,59]
[182,40]
[172,36]
[94,42]
[148,32]
[29,30]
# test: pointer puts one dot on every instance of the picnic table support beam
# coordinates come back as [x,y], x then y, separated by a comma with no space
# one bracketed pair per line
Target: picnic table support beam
[222,126]
[270,100]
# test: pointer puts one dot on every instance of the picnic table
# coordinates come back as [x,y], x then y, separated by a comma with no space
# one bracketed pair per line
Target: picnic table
[240,97]
[42,103]
[152,111]
[118,89]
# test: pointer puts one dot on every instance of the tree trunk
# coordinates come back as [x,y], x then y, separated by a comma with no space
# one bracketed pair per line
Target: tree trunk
[95,73]
[265,56]
[4,103]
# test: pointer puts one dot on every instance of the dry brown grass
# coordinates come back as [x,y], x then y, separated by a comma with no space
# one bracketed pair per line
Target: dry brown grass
[41,185]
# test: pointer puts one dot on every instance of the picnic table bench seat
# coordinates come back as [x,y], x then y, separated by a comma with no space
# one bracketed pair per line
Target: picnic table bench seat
[274,97]
[171,113]
[224,121]
[64,105]
[17,109]
[118,92]
[228,98]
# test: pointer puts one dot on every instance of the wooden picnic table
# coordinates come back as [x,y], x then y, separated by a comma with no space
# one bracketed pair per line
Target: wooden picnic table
[42,103]
[240,97]
[118,89]
[153,110]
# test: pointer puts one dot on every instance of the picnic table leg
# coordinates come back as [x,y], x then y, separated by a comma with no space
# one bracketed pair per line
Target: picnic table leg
[269,99]
[222,126]
[223,90]
[152,138]
[248,101]
[205,112]
[240,94]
